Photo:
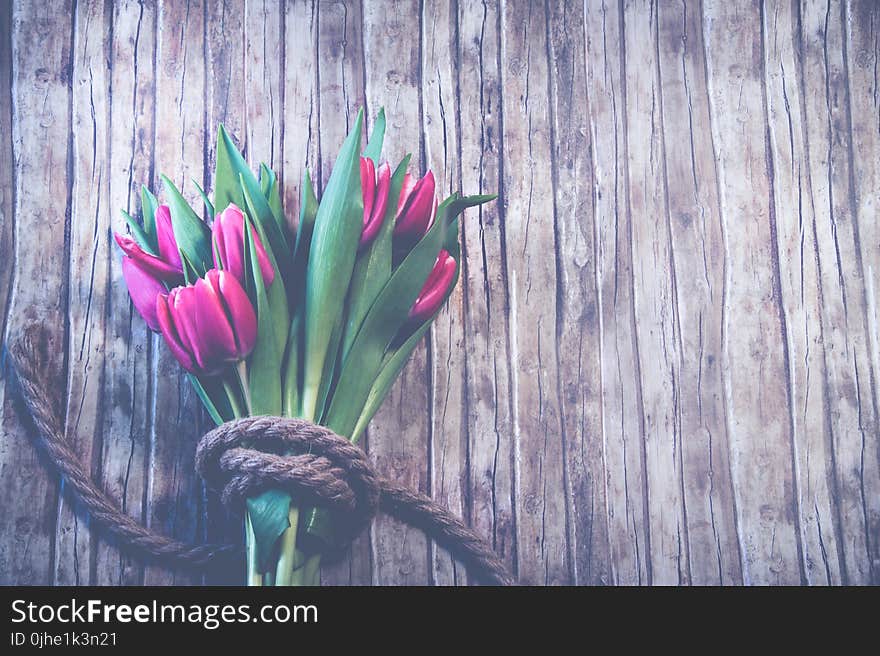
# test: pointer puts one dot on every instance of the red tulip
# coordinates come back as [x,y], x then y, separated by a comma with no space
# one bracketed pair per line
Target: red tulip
[144,289]
[416,207]
[228,234]
[434,290]
[209,324]
[167,266]
[375,197]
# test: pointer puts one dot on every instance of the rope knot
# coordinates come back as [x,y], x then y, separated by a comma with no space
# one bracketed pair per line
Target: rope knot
[244,457]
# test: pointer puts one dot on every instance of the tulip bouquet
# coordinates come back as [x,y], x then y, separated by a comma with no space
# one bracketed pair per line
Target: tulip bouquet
[314,322]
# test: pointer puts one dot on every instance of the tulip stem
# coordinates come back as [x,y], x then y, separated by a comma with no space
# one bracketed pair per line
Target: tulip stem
[241,370]
[254,578]
[233,397]
[289,557]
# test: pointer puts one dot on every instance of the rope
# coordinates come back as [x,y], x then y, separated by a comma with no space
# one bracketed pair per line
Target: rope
[244,457]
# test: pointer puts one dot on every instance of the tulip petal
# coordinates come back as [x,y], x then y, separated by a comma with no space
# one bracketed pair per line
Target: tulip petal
[168,251]
[170,333]
[368,187]
[409,183]
[382,187]
[150,263]
[181,302]
[228,234]
[416,216]
[373,220]
[143,288]
[228,231]
[215,341]
[435,288]
[240,312]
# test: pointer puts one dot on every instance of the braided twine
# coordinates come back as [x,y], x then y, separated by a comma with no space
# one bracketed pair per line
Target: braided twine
[244,457]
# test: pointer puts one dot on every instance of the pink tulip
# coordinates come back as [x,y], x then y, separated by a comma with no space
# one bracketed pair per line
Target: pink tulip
[145,273]
[167,266]
[434,290]
[416,207]
[209,324]
[228,235]
[375,197]
[144,289]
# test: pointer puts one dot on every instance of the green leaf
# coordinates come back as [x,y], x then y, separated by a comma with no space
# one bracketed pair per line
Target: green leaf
[394,360]
[208,204]
[261,213]
[192,235]
[329,368]
[138,233]
[217,414]
[264,363]
[269,187]
[149,204]
[291,396]
[459,204]
[384,319]
[230,165]
[190,273]
[269,519]
[377,137]
[373,267]
[267,179]
[277,295]
[308,212]
[333,249]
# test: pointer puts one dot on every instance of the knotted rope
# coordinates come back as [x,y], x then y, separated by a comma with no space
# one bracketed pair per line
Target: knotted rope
[243,457]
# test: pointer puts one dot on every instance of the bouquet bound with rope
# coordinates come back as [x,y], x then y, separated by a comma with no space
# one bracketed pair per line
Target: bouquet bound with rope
[291,338]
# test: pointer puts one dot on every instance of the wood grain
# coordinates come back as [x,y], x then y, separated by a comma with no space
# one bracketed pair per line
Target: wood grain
[662,362]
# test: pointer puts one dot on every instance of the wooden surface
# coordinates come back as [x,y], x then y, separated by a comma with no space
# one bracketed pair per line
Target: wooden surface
[661,365]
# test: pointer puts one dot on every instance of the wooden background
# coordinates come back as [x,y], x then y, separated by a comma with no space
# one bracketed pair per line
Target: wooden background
[661,366]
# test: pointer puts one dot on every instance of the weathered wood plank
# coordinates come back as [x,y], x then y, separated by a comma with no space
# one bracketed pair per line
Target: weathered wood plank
[263,59]
[801,299]
[41,69]
[340,73]
[696,246]
[757,374]
[174,494]
[622,423]
[447,430]
[399,433]
[577,324]
[862,49]
[489,421]
[7,176]
[300,92]
[542,551]
[96,370]
[844,327]
[657,329]
[661,364]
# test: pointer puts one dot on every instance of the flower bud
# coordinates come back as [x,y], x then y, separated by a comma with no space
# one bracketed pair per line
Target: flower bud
[228,236]
[435,288]
[209,324]
[375,192]
[415,208]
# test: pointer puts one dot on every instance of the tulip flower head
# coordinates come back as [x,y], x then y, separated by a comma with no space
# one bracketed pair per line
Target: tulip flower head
[415,208]
[209,324]
[166,266]
[228,236]
[145,274]
[434,290]
[375,192]
[144,289]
